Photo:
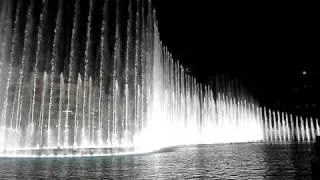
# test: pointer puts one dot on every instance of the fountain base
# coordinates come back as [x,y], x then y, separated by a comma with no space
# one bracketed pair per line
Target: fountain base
[67,152]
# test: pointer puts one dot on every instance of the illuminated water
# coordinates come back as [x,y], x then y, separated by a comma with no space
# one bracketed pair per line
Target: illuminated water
[82,75]
[228,161]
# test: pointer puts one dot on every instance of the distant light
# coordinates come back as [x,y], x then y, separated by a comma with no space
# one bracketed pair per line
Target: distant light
[304,72]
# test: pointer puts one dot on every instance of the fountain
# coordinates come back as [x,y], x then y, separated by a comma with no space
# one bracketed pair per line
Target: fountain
[93,78]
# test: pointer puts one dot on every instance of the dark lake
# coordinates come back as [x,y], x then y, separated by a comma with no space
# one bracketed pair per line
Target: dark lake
[219,161]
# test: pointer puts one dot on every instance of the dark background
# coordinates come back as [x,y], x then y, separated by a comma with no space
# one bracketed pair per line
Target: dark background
[271,47]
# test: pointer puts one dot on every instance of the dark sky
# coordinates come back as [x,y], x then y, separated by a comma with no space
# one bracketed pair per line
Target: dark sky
[266,45]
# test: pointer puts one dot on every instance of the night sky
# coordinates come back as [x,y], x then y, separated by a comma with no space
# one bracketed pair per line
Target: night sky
[272,48]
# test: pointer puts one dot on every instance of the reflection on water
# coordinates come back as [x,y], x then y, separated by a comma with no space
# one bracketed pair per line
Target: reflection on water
[224,161]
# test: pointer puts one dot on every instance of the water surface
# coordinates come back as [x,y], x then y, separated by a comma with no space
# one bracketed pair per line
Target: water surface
[220,161]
